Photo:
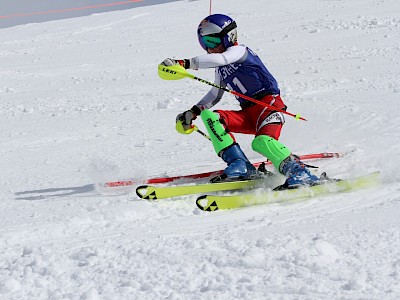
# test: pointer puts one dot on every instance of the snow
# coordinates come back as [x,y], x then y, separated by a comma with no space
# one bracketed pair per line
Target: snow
[81,103]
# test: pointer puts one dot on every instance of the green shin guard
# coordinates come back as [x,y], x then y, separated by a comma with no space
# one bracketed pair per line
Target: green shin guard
[219,137]
[275,151]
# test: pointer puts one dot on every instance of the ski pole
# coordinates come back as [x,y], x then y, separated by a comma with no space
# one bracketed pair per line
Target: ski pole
[177,72]
[201,132]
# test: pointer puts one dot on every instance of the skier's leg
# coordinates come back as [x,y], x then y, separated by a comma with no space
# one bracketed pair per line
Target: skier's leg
[296,173]
[239,167]
[269,127]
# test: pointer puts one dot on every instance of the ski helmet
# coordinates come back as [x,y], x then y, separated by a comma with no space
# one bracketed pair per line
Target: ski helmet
[215,30]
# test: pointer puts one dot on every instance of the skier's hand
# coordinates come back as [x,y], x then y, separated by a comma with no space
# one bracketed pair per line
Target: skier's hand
[185,119]
[171,62]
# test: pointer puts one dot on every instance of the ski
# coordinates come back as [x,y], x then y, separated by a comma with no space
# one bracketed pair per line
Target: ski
[215,202]
[150,192]
[157,180]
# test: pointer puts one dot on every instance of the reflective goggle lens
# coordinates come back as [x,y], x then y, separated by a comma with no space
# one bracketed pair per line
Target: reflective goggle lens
[210,42]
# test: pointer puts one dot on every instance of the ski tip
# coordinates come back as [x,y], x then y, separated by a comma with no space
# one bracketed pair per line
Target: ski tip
[199,200]
[143,193]
[203,203]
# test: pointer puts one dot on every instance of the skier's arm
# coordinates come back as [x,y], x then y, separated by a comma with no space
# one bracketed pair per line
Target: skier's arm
[213,96]
[185,119]
[213,60]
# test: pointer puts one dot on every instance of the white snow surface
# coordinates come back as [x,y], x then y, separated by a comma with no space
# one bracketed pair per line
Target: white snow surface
[81,103]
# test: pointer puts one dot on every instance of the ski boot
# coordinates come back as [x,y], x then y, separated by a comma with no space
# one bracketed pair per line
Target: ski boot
[297,174]
[239,167]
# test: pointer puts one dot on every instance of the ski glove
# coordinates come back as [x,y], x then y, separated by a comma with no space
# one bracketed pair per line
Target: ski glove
[185,119]
[171,62]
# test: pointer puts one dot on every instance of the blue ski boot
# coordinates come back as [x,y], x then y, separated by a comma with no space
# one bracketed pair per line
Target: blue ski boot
[239,167]
[297,174]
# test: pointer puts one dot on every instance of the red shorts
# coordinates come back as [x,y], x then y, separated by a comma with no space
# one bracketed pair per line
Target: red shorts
[256,119]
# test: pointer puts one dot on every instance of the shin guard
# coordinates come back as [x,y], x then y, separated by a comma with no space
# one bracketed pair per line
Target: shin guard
[219,137]
[275,151]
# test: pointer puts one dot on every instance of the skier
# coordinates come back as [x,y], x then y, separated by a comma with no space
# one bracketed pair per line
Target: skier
[238,68]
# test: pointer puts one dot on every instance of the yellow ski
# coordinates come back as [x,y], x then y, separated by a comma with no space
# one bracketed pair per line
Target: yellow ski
[151,192]
[215,202]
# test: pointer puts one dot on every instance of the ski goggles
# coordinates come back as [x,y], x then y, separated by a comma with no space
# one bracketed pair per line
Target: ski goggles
[210,42]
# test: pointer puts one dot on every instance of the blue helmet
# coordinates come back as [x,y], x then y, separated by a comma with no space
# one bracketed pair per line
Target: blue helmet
[215,30]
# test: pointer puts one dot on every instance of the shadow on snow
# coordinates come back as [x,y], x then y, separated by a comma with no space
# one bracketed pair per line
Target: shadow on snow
[86,190]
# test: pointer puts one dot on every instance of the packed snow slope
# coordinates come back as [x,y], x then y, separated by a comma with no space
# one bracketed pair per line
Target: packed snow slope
[81,103]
